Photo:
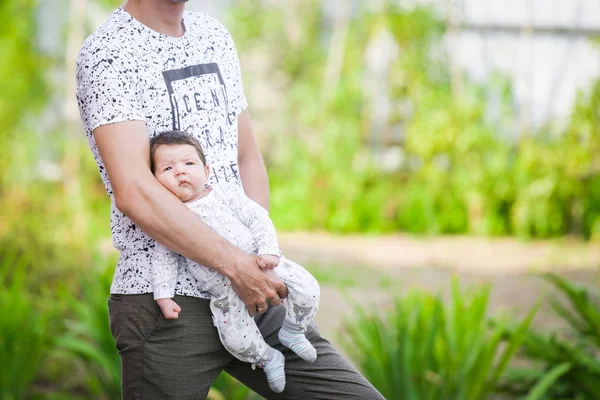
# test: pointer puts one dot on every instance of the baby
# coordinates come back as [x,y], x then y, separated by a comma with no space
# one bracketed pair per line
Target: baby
[179,164]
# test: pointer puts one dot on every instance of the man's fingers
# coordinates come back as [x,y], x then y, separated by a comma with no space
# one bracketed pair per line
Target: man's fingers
[251,309]
[282,293]
[262,308]
[281,289]
[274,300]
[258,287]
[277,285]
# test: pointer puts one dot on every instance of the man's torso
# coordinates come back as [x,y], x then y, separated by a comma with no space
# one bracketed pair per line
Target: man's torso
[128,72]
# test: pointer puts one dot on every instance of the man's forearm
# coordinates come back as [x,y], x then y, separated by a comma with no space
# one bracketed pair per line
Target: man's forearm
[166,219]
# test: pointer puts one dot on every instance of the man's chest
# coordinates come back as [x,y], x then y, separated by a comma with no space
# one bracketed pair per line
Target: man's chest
[194,98]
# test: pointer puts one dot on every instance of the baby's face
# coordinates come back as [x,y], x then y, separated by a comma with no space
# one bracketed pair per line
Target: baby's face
[179,168]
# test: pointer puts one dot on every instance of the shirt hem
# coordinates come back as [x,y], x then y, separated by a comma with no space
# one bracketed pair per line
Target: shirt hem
[177,293]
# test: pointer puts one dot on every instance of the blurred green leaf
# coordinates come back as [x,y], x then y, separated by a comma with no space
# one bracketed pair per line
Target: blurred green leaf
[424,349]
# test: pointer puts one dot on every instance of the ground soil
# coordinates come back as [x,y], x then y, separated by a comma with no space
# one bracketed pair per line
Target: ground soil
[372,270]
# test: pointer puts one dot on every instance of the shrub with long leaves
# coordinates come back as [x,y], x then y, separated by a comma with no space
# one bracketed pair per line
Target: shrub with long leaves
[570,364]
[24,337]
[87,342]
[427,349]
[225,387]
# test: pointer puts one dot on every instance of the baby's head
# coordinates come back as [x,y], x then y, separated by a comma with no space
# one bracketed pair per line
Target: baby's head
[178,162]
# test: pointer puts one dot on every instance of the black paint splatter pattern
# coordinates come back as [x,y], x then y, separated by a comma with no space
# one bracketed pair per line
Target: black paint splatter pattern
[128,72]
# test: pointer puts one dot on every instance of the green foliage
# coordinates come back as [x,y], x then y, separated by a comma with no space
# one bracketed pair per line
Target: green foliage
[37,214]
[424,349]
[457,174]
[35,208]
[226,387]
[87,342]
[570,367]
[559,176]
[23,91]
[110,4]
[24,334]
[544,384]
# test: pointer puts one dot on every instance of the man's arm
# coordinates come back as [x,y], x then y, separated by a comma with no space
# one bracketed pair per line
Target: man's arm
[252,167]
[124,148]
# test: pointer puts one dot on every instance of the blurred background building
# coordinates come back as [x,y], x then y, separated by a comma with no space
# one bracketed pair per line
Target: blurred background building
[543,46]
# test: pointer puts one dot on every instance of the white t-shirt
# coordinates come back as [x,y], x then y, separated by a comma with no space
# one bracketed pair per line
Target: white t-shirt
[128,72]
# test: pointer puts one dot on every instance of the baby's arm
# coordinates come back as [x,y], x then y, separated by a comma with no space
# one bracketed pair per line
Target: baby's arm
[164,276]
[257,220]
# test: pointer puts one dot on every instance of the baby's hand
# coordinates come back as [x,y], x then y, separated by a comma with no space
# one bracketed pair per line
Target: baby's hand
[169,308]
[268,261]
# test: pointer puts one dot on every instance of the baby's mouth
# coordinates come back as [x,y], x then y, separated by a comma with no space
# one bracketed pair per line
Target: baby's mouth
[183,182]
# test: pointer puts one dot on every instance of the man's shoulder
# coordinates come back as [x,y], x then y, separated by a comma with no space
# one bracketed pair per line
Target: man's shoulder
[111,36]
[110,50]
[205,22]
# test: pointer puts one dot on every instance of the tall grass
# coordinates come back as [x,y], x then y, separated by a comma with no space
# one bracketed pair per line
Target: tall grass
[87,345]
[24,337]
[569,363]
[425,349]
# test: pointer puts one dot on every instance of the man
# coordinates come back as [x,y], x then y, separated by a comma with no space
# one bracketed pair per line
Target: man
[152,67]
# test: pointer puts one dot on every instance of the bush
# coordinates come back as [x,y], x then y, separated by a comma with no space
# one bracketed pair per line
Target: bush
[24,335]
[457,169]
[424,349]
[568,364]
[86,347]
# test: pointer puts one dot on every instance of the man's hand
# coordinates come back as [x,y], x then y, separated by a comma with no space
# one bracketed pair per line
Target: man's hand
[268,261]
[257,288]
[169,308]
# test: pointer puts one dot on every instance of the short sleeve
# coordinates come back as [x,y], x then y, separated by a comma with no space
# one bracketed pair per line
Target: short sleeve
[107,92]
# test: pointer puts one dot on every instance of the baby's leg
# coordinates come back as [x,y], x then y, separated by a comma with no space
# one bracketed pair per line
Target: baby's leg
[240,335]
[301,305]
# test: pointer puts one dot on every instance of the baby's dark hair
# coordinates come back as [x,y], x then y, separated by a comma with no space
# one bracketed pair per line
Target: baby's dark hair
[174,137]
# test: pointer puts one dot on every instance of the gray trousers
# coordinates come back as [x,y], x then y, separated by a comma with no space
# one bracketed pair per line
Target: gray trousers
[178,359]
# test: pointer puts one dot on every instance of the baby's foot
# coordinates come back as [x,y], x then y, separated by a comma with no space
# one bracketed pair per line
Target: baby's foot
[297,342]
[274,368]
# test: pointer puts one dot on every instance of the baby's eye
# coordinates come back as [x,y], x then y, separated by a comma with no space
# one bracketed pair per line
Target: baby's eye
[190,163]
[166,169]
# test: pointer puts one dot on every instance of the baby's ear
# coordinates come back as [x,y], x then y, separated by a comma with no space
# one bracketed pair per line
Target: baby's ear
[207,169]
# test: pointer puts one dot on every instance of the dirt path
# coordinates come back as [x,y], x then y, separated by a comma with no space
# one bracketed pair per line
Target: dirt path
[372,270]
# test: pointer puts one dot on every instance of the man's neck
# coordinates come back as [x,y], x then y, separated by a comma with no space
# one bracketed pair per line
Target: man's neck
[162,16]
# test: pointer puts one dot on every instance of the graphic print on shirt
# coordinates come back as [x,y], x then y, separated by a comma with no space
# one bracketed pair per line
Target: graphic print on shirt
[199,103]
